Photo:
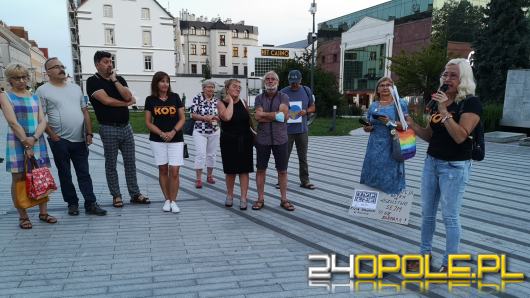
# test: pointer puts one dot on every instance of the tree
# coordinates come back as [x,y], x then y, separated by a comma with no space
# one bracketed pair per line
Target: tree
[207,74]
[455,21]
[326,89]
[503,44]
[419,72]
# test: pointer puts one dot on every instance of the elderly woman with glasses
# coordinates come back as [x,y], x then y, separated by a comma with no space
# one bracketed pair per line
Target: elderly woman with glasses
[206,131]
[380,170]
[448,162]
[25,117]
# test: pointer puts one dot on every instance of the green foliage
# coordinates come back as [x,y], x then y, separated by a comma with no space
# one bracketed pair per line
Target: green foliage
[491,116]
[343,126]
[503,44]
[207,70]
[326,89]
[455,21]
[419,72]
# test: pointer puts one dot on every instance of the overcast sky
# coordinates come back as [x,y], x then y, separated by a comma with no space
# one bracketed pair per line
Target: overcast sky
[278,21]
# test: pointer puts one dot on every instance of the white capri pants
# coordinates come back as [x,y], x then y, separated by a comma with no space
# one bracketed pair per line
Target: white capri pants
[205,148]
[168,153]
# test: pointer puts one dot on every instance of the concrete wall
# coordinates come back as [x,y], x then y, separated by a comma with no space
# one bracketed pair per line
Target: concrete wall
[516,111]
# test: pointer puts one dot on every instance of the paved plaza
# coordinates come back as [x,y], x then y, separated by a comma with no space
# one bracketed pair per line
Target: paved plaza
[208,250]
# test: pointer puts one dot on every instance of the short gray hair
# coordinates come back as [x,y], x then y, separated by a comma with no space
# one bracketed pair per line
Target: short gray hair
[273,73]
[208,83]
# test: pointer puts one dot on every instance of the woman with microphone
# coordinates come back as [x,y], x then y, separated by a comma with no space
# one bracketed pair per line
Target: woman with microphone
[448,162]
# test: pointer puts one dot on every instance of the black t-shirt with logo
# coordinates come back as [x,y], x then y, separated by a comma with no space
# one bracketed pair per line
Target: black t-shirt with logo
[107,114]
[442,146]
[165,115]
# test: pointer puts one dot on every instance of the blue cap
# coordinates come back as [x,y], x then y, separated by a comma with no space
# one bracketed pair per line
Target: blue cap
[294,76]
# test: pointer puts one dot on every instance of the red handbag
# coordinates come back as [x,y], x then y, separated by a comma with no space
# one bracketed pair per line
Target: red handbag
[39,180]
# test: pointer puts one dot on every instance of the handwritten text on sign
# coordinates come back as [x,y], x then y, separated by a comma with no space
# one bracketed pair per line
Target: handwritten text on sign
[372,203]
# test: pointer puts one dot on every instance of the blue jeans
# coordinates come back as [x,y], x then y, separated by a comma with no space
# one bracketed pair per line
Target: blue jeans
[65,151]
[442,181]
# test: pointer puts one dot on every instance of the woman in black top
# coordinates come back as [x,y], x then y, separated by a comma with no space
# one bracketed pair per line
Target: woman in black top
[448,162]
[164,117]
[236,142]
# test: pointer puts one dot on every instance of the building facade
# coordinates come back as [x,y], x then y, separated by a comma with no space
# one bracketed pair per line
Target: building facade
[139,34]
[220,46]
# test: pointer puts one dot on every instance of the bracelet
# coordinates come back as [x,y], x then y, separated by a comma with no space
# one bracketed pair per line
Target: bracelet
[175,129]
[35,138]
[448,116]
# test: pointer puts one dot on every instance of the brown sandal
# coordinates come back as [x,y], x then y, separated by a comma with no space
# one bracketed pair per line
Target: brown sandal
[117,202]
[287,205]
[258,205]
[140,199]
[47,218]
[24,223]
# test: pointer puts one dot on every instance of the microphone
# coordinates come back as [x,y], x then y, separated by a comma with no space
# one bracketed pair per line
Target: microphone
[431,105]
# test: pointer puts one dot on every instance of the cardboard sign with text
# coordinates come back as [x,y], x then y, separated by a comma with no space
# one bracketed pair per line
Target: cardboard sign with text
[373,203]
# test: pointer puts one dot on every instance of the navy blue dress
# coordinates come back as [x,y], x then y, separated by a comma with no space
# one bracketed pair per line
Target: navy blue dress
[380,170]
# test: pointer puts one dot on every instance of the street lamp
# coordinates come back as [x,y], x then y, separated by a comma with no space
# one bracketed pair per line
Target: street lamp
[313,10]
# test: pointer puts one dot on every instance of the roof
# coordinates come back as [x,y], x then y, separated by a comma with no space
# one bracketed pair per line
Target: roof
[218,25]
[301,44]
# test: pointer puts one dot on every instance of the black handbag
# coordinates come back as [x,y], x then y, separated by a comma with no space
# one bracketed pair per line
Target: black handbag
[188,126]
[185,151]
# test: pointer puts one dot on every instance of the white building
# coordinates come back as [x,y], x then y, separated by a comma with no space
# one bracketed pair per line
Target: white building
[223,46]
[139,34]
[266,58]
[12,50]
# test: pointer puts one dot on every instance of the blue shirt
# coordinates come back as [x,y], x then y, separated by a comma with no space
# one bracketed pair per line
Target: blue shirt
[304,95]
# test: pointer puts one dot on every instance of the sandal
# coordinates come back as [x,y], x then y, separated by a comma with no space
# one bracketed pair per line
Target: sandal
[140,199]
[24,223]
[308,186]
[243,204]
[277,185]
[117,202]
[198,183]
[210,180]
[229,202]
[287,205]
[47,218]
[258,205]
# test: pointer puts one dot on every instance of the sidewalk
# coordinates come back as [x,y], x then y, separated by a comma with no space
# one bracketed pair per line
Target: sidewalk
[209,251]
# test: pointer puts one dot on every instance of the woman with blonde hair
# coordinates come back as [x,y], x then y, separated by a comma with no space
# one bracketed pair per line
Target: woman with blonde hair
[236,142]
[24,114]
[205,132]
[380,170]
[448,162]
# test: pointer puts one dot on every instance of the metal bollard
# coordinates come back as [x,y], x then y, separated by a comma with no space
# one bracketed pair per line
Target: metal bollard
[334,120]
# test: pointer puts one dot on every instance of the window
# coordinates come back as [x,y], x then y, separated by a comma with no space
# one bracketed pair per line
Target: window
[335,58]
[223,60]
[323,59]
[234,33]
[107,11]
[193,49]
[146,38]
[235,52]
[146,15]
[221,40]
[203,31]
[113,60]
[194,68]
[193,31]
[236,70]
[203,50]
[245,70]
[245,33]
[148,62]
[244,52]
[109,36]
[373,55]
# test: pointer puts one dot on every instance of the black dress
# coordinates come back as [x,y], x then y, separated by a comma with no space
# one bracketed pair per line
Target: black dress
[237,142]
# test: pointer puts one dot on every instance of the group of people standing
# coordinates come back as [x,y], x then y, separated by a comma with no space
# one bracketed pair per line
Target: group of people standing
[228,122]
[448,162]
[59,109]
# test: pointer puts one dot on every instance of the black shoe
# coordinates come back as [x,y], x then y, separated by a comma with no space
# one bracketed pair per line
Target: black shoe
[95,209]
[73,210]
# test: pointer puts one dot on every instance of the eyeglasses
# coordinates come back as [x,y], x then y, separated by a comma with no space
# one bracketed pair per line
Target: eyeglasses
[19,78]
[57,66]
[386,85]
[450,76]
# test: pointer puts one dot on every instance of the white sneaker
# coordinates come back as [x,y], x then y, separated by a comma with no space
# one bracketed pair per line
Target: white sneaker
[167,206]
[174,207]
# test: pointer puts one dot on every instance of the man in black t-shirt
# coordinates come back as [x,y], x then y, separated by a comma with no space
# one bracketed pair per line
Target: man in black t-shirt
[110,98]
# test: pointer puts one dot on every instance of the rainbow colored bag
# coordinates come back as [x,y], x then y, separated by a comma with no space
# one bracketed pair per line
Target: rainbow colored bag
[403,144]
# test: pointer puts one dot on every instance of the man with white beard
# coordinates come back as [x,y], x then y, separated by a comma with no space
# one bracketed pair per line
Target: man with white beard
[272,107]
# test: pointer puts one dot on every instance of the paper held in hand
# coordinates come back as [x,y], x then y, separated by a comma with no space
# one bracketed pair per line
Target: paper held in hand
[372,203]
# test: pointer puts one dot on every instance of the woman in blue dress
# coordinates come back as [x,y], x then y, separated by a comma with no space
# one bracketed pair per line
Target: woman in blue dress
[25,117]
[380,170]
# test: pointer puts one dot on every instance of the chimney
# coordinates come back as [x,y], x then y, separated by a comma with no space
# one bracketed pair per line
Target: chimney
[45,52]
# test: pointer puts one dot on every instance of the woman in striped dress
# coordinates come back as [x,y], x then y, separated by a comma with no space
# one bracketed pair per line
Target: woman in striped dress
[25,117]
